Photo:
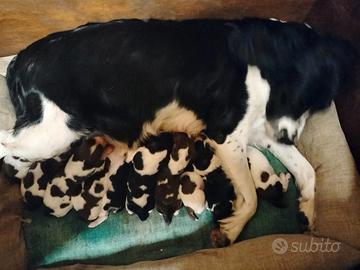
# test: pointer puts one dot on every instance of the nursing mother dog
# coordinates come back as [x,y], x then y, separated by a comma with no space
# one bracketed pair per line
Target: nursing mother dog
[240,81]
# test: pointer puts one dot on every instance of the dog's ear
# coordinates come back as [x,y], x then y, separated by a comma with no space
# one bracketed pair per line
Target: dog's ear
[339,57]
[324,70]
[342,55]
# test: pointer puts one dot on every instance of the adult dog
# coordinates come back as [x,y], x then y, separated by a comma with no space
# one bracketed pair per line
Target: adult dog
[244,81]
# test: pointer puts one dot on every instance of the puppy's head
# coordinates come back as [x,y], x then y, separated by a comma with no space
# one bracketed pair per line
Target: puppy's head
[167,200]
[91,151]
[203,155]
[167,209]
[181,152]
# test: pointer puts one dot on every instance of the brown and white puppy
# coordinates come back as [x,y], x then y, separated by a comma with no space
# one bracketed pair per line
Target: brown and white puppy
[40,174]
[181,153]
[112,187]
[65,191]
[167,197]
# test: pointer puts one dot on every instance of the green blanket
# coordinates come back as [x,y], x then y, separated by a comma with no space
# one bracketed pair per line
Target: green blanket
[124,239]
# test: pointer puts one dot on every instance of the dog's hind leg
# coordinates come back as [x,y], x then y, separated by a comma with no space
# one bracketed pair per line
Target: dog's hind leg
[232,154]
[43,139]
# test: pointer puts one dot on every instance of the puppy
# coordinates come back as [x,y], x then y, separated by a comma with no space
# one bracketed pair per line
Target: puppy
[142,177]
[268,184]
[40,174]
[65,191]
[219,194]
[167,196]
[181,153]
[204,160]
[167,199]
[192,193]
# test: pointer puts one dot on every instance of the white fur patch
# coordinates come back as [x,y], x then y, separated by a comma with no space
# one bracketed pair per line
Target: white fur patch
[35,188]
[142,201]
[44,140]
[176,166]
[21,166]
[151,161]
[196,200]
[173,118]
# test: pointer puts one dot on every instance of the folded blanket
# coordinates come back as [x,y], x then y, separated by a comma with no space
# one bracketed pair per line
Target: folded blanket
[124,239]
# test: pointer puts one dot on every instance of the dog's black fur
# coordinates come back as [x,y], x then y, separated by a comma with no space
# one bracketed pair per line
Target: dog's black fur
[112,77]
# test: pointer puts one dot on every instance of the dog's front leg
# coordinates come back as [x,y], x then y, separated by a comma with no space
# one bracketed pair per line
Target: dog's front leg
[232,154]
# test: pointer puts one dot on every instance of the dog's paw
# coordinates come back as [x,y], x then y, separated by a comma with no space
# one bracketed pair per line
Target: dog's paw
[307,213]
[305,182]
[231,227]
[219,239]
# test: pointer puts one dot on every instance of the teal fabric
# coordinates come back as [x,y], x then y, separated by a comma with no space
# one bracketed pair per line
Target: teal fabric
[124,239]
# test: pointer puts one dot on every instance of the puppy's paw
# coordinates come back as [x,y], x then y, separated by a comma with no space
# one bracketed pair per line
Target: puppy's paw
[219,239]
[284,180]
[97,221]
[307,213]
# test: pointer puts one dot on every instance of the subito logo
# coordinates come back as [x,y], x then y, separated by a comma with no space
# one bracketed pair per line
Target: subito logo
[280,246]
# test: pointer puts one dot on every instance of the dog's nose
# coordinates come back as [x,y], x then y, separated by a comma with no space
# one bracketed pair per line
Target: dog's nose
[283,137]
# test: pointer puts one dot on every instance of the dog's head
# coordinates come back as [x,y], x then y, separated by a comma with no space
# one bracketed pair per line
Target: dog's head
[304,70]
[308,86]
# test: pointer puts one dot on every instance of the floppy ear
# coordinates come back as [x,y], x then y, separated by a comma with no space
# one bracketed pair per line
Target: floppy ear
[324,69]
[342,55]
[340,58]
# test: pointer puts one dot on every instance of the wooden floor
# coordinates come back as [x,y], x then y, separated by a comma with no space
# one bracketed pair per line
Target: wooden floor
[24,21]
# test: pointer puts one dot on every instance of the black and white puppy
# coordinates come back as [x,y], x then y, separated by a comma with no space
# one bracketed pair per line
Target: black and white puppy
[142,179]
[191,193]
[167,198]
[268,184]
[239,80]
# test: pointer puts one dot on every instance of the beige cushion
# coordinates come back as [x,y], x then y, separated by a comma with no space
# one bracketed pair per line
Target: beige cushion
[7,115]
[254,254]
[337,186]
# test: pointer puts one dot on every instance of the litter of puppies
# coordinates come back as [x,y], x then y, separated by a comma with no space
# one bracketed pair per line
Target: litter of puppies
[166,172]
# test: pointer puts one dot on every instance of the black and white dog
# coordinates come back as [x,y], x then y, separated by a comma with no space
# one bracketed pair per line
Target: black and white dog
[241,81]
